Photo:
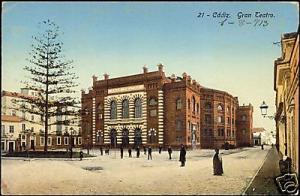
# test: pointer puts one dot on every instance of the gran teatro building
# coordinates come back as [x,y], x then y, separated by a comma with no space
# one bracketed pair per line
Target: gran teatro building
[152,109]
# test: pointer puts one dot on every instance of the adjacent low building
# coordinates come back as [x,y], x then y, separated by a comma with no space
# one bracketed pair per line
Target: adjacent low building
[25,131]
[152,109]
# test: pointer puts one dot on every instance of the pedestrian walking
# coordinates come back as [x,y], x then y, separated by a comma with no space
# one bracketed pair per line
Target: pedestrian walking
[101,150]
[170,152]
[182,154]
[129,151]
[138,152]
[149,153]
[121,149]
[262,146]
[71,152]
[145,150]
[217,163]
[80,155]
[159,149]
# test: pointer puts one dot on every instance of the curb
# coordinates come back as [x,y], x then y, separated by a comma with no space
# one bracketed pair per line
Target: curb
[244,192]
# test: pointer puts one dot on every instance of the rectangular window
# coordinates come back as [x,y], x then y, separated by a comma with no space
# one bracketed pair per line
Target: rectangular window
[100,116]
[13,112]
[210,132]
[178,125]
[23,127]
[49,141]
[244,131]
[11,129]
[32,117]
[207,119]
[32,129]
[23,144]
[66,141]
[228,120]
[153,113]
[2,146]
[2,130]
[222,132]
[42,141]
[79,140]
[23,137]
[58,140]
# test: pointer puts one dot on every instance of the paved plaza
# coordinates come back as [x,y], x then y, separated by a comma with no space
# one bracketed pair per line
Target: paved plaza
[133,175]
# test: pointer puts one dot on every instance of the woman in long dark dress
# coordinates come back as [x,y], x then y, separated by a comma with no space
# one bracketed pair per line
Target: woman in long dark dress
[182,156]
[217,163]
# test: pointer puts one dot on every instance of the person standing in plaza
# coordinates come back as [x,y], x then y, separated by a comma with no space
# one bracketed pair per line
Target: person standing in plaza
[121,150]
[145,150]
[101,150]
[129,151]
[159,149]
[182,154]
[138,152]
[217,163]
[170,152]
[80,155]
[149,152]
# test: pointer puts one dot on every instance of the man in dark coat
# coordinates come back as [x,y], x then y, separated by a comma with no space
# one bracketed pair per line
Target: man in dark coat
[80,155]
[101,150]
[129,151]
[149,152]
[121,150]
[145,150]
[182,155]
[159,149]
[138,152]
[217,163]
[170,152]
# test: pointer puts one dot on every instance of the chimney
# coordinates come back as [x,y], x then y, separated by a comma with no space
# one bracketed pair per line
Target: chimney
[145,69]
[189,79]
[184,75]
[94,78]
[106,76]
[194,82]
[173,78]
[160,67]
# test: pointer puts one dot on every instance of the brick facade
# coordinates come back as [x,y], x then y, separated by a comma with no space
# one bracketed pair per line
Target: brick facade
[172,112]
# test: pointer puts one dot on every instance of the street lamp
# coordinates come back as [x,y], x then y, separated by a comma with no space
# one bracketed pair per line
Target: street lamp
[264,110]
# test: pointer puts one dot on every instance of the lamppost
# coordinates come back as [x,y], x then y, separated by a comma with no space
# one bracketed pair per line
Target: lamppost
[264,111]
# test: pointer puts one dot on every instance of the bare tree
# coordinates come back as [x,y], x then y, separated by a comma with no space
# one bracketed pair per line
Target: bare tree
[51,77]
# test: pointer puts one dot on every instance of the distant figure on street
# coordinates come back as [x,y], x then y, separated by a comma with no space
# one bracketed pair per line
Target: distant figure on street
[101,150]
[71,152]
[121,149]
[129,151]
[138,152]
[217,163]
[159,149]
[170,152]
[262,146]
[182,155]
[149,153]
[80,155]
[107,151]
[145,150]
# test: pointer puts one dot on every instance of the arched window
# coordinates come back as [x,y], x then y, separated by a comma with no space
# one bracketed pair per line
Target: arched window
[189,104]
[99,136]
[197,108]
[244,118]
[152,136]
[137,108]
[152,101]
[220,108]
[113,110]
[125,108]
[98,111]
[178,104]
[194,104]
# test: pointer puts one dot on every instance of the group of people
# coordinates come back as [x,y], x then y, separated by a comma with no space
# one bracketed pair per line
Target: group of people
[217,159]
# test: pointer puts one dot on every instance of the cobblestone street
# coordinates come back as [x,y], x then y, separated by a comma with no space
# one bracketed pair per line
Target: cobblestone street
[133,175]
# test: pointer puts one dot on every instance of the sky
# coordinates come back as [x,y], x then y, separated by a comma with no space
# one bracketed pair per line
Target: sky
[119,38]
